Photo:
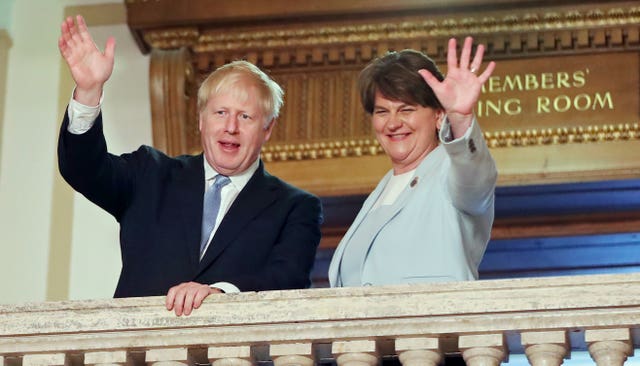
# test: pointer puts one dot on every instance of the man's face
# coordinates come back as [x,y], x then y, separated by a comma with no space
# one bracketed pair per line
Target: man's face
[232,129]
[407,133]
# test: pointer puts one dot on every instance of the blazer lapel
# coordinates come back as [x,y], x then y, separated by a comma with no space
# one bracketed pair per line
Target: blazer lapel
[190,185]
[251,201]
[366,206]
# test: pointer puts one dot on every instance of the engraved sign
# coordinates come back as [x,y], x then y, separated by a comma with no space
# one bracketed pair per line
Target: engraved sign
[561,91]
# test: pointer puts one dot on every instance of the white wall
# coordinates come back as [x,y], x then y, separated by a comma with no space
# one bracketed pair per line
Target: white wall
[5,13]
[28,156]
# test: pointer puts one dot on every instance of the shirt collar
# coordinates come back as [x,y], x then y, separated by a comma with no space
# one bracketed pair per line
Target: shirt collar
[238,180]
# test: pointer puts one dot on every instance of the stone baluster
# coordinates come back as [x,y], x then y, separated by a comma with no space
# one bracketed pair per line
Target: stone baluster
[545,348]
[10,361]
[44,359]
[230,356]
[609,347]
[419,351]
[167,357]
[482,349]
[355,353]
[105,358]
[291,354]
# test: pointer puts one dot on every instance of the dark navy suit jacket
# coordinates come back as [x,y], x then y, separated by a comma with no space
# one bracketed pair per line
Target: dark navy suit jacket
[266,241]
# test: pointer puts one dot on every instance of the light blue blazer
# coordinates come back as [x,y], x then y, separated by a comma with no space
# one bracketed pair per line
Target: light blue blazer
[439,226]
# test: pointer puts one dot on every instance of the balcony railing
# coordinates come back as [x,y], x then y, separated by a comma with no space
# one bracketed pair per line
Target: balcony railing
[484,321]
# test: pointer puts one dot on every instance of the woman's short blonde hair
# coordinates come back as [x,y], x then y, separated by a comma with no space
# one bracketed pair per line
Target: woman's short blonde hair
[230,77]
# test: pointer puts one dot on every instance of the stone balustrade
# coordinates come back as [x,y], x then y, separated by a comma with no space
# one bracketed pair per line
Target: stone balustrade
[484,321]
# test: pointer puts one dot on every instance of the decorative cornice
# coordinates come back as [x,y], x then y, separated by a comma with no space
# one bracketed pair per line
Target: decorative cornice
[212,40]
[495,140]
[321,150]
[563,135]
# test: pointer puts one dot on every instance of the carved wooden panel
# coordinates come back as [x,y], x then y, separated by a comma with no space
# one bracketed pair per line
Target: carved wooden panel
[315,53]
[315,50]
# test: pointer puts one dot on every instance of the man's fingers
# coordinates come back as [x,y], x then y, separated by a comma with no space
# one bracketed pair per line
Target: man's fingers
[110,48]
[201,295]
[178,303]
[64,30]
[189,296]
[171,296]
[62,46]
[185,297]
[65,34]
[83,30]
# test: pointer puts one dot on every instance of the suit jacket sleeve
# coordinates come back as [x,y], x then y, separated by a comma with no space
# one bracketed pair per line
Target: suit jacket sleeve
[472,178]
[85,164]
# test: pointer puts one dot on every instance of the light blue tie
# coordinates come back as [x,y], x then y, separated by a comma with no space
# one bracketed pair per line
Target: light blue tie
[211,208]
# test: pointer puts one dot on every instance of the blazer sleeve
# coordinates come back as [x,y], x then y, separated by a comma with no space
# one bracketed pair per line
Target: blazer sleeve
[293,254]
[83,161]
[472,177]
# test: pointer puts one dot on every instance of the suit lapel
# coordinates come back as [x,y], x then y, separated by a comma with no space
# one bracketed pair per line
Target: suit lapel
[190,185]
[366,206]
[259,193]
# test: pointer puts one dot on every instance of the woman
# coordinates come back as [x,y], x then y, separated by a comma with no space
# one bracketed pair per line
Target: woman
[429,219]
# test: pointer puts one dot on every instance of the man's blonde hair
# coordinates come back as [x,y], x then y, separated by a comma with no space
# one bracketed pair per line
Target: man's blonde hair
[226,79]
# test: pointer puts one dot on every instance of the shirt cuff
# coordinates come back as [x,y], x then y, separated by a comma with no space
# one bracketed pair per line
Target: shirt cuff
[82,117]
[226,287]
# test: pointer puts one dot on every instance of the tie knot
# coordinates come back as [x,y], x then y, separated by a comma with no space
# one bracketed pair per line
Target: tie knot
[221,181]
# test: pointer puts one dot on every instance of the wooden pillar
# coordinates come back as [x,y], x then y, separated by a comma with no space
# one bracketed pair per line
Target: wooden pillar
[171,77]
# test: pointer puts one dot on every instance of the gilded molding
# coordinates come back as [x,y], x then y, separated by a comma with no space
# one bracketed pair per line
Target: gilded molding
[321,150]
[563,135]
[212,40]
[500,139]
[172,38]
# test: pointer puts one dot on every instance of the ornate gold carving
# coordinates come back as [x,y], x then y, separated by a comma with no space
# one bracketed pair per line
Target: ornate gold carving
[500,139]
[172,38]
[563,135]
[216,40]
[321,150]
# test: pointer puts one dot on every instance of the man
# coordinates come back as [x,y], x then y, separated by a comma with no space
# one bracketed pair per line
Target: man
[258,232]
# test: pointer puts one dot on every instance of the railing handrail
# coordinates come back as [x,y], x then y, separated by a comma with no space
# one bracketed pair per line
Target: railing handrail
[317,315]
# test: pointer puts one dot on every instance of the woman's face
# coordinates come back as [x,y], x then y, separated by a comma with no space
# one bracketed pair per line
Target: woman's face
[407,133]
